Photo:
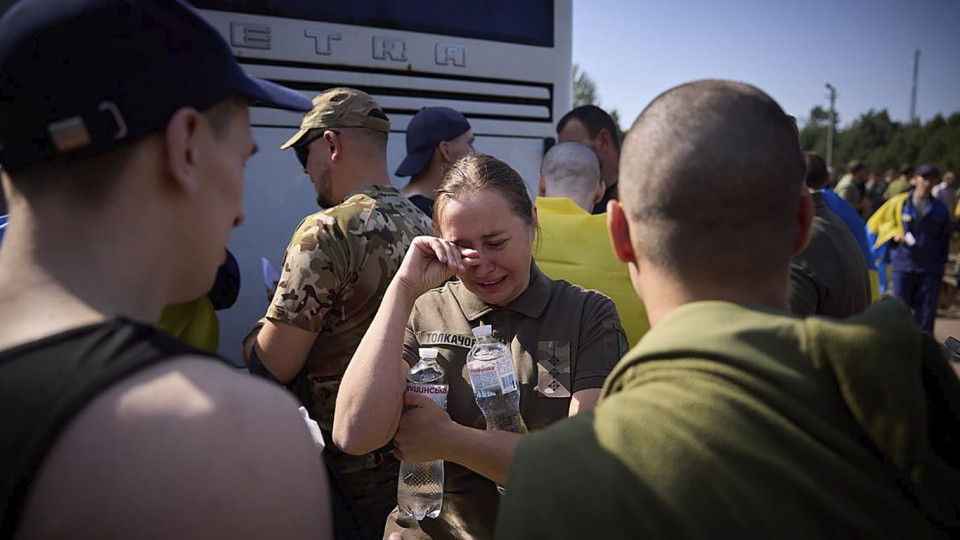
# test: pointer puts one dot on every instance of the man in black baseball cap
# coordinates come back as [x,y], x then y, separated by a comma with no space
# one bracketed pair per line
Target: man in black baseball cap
[124,129]
[919,251]
[436,137]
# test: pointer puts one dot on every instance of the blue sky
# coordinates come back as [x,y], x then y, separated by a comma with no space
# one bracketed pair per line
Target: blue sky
[634,50]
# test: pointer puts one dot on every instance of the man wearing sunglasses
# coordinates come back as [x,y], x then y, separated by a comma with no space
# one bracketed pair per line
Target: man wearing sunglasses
[335,271]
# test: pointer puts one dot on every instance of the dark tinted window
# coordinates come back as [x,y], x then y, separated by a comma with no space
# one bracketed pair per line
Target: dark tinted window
[528,22]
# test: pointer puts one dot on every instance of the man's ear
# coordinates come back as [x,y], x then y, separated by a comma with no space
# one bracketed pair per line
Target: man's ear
[444,149]
[541,185]
[605,140]
[335,143]
[601,189]
[184,146]
[805,214]
[619,231]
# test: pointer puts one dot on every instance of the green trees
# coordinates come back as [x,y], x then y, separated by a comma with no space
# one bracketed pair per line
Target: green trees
[584,88]
[886,144]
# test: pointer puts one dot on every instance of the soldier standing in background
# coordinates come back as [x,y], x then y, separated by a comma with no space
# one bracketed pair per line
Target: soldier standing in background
[852,188]
[593,127]
[436,137]
[335,271]
[900,184]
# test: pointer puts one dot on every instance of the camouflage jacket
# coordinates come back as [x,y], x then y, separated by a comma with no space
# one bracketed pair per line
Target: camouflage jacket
[335,272]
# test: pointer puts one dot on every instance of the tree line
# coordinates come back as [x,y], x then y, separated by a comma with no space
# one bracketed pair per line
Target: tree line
[885,144]
[873,137]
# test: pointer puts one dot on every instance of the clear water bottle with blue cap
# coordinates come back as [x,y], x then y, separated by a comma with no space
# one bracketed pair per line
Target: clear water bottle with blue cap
[420,486]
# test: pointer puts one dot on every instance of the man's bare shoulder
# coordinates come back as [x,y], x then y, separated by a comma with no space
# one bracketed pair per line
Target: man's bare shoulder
[188,448]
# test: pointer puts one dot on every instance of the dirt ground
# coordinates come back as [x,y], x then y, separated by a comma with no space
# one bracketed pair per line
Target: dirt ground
[948,314]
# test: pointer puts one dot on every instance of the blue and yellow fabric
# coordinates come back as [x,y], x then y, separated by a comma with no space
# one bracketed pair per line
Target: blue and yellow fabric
[882,226]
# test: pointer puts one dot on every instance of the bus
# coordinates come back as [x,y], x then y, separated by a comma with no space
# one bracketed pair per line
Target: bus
[506,65]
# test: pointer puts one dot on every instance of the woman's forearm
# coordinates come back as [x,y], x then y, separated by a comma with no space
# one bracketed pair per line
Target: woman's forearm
[370,399]
[484,452]
[488,452]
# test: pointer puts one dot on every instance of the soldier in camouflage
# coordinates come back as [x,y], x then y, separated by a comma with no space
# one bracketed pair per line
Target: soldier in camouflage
[335,271]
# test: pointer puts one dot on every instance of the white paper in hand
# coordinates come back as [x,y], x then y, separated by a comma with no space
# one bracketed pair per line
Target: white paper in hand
[270,276]
[313,428]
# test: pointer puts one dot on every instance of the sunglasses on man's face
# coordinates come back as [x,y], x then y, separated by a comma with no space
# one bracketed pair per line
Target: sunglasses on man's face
[302,148]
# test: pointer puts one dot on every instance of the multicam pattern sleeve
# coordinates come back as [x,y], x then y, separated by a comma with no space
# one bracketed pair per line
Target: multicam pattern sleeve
[340,261]
[316,265]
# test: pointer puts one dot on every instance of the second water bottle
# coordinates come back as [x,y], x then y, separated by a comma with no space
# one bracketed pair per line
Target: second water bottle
[494,382]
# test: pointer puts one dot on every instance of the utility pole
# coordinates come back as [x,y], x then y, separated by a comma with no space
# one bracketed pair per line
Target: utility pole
[913,92]
[833,100]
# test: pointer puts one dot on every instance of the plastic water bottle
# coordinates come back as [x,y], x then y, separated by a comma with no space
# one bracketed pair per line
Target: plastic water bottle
[494,381]
[420,486]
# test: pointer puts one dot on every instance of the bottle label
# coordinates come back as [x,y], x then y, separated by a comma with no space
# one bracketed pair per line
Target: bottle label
[483,377]
[492,376]
[507,379]
[436,392]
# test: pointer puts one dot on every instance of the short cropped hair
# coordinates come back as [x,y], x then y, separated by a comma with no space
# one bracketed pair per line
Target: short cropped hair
[817,175]
[711,179]
[571,169]
[593,119]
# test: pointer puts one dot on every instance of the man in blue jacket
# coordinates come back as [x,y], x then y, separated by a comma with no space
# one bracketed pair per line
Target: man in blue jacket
[917,255]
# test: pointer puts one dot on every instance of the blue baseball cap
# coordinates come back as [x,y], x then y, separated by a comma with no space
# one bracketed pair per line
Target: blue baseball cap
[927,170]
[427,129]
[82,77]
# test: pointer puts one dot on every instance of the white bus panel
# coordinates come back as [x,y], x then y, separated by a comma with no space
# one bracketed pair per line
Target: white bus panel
[512,80]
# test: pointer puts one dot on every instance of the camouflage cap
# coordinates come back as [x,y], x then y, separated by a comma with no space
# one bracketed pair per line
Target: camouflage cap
[341,108]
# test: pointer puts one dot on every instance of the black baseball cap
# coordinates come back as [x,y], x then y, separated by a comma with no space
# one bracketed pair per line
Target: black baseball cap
[81,77]
[427,129]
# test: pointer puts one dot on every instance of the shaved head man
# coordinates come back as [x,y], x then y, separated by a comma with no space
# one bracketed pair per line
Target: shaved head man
[701,191]
[729,404]
[571,170]
[573,243]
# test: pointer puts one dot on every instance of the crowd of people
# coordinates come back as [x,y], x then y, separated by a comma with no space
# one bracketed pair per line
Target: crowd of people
[699,345]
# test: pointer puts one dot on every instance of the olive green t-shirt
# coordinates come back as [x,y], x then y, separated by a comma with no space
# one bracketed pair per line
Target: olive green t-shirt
[563,338]
[734,422]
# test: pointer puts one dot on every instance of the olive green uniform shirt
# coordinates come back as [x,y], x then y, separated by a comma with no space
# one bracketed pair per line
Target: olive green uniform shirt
[849,190]
[733,422]
[335,272]
[830,276]
[898,186]
[563,338]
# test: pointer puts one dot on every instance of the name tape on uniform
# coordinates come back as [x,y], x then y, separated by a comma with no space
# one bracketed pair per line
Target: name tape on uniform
[446,338]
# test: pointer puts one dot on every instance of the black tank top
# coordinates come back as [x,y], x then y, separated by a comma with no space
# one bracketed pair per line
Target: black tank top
[45,383]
